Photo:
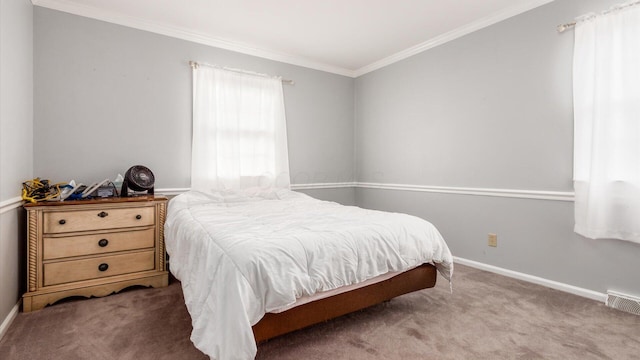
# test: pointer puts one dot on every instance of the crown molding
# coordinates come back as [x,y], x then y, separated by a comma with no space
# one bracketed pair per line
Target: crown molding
[451,35]
[186,34]
[200,38]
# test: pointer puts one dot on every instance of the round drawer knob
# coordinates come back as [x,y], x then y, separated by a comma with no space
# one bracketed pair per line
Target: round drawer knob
[62,222]
[103,242]
[103,267]
[103,214]
[138,217]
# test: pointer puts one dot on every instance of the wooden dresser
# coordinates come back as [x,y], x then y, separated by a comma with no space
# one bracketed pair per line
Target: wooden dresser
[93,248]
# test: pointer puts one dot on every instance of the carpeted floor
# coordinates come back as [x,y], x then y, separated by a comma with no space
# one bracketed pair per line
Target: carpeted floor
[487,317]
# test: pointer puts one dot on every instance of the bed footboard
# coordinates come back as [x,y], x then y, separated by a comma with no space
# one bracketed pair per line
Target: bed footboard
[272,325]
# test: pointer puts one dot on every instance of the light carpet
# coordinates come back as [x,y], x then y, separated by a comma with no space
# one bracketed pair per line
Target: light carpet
[487,316]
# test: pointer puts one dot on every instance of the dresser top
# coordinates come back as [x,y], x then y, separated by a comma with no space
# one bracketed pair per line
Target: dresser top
[111,200]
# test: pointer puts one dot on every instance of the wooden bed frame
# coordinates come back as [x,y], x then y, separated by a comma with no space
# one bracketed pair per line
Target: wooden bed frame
[315,312]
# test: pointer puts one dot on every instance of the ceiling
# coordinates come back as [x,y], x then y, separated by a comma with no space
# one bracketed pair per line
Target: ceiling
[347,37]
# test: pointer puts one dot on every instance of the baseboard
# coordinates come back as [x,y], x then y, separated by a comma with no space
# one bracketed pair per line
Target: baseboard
[589,294]
[9,319]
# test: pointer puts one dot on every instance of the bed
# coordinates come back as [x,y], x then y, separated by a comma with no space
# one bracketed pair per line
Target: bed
[257,266]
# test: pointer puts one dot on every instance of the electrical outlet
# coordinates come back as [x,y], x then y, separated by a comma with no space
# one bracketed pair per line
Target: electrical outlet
[493,240]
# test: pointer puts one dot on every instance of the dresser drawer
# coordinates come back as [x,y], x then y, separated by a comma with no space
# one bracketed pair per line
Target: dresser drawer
[98,219]
[99,267]
[93,247]
[67,246]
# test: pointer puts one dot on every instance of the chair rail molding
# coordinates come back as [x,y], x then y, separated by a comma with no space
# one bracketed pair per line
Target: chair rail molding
[10,204]
[16,202]
[335,185]
[510,193]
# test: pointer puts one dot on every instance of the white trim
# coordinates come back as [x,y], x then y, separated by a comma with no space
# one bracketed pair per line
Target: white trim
[200,38]
[451,35]
[10,204]
[171,191]
[322,186]
[511,193]
[9,319]
[16,202]
[586,293]
[178,191]
[186,34]
[508,193]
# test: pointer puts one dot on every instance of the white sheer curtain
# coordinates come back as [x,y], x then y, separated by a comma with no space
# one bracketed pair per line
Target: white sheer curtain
[239,132]
[606,86]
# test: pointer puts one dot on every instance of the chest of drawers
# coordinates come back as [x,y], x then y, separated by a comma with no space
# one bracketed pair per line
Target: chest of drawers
[93,248]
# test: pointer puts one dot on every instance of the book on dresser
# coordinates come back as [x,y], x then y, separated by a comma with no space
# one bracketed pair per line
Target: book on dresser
[93,247]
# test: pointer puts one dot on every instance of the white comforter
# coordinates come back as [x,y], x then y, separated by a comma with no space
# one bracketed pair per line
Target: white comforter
[239,257]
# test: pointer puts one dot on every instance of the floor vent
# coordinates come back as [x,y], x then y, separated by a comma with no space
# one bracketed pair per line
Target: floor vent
[626,303]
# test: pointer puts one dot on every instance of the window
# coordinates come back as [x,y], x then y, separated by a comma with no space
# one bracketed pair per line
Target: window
[239,131]
[606,90]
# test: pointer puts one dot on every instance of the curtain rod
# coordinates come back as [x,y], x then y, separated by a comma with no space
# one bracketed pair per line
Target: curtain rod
[195,64]
[563,27]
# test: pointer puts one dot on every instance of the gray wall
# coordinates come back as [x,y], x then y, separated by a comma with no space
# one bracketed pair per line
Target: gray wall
[16,139]
[16,96]
[108,97]
[492,109]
